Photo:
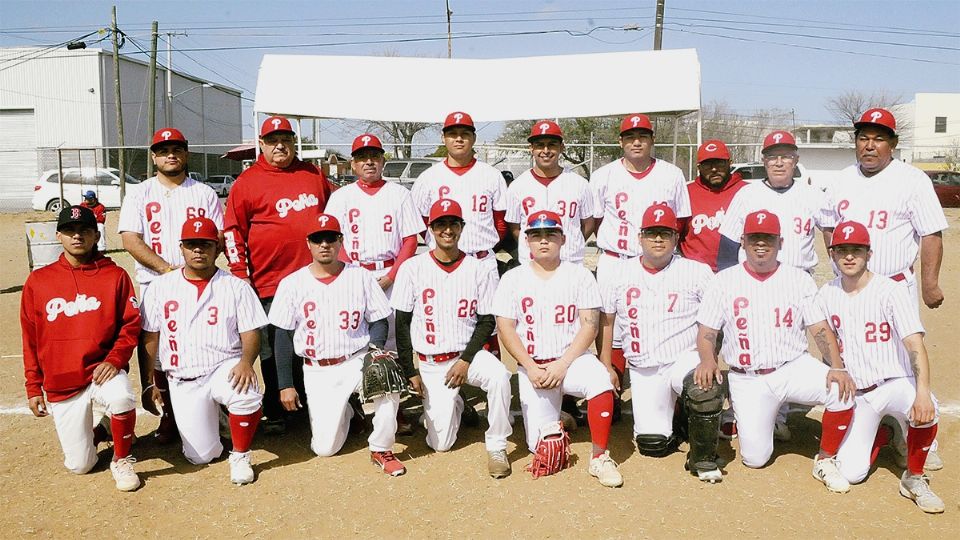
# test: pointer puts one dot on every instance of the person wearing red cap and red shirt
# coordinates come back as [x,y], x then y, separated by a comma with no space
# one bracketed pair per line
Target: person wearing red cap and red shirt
[202,326]
[879,326]
[271,207]
[765,305]
[79,322]
[150,219]
[710,195]
[899,207]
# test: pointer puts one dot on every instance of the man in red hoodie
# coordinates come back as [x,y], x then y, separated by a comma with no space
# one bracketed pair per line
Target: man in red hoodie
[272,206]
[80,321]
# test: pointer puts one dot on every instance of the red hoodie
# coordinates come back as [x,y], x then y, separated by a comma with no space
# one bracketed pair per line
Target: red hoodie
[72,320]
[700,233]
[270,212]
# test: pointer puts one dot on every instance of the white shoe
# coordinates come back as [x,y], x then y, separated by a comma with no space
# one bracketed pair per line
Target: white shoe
[124,475]
[826,471]
[781,431]
[917,489]
[934,462]
[240,470]
[604,469]
[712,476]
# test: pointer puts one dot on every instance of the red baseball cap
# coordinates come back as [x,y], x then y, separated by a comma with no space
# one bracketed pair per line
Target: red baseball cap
[850,232]
[199,228]
[168,134]
[635,121]
[367,140]
[779,138]
[712,149]
[544,219]
[327,223]
[877,117]
[458,118]
[761,222]
[274,124]
[659,215]
[445,208]
[545,128]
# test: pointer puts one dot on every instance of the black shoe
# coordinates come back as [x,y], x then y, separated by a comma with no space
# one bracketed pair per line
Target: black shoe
[469,418]
[274,426]
[569,406]
[404,427]
[358,423]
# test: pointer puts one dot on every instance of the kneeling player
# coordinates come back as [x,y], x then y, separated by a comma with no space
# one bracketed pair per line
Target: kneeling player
[80,324]
[763,307]
[204,324]
[334,313]
[442,299]
[882,339]
[548,315]
[658,297]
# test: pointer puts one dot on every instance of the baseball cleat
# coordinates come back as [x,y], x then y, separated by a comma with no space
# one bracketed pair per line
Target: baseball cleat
[124,475]
[712,476]
[706,471]
[917,489]
[241,472]
[101,433]
[497,464]
[898,441]
[404,426]
[728,431]
[166,432]
[604,469]
[388,463]
[274,426]
[934,461]
[781,431]
[470,417]
[826,471]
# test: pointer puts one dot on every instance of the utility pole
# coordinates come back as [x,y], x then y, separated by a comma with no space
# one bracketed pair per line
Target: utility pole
[658,29]
[116,95]
[152,107]
[168,105]
[449,35]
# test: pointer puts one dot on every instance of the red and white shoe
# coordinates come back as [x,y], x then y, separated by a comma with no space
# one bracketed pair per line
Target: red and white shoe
[728,431]
[388,463]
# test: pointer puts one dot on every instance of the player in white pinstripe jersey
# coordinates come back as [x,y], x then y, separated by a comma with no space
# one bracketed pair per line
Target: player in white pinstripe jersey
[442,299]
[881,339]
[548,187]
[334,312]
[763,307]
[202,325]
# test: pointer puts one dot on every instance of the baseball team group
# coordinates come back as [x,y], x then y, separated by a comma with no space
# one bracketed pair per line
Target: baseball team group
[324,284]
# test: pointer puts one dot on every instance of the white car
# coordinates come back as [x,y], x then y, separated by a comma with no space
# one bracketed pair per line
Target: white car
[221,183]
[76,181]
[406,171]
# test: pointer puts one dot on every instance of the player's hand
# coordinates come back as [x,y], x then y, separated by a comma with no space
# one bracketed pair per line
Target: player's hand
[242,377]
[385,282]
[614,378]
[104,372]
[932,296]
[457,374]
[848,388]
[706,373]
[923,411]
[38,406]
[152,400]
[416,385]
[290,399]
[555,372]
[537,376]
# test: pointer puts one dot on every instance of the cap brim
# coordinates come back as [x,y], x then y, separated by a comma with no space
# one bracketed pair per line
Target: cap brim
[468,126]
[648,130]
[154,146]
[861,125]
[544,136]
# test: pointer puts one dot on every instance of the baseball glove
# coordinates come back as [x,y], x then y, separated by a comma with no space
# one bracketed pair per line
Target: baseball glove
[381,375]
[553,451]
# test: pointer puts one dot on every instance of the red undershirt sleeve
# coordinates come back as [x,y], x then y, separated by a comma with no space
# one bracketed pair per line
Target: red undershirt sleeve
[407,249]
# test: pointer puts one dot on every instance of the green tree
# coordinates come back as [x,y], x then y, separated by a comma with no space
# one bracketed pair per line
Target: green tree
[577,136]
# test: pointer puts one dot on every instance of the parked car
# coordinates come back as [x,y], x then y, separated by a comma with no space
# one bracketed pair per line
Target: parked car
[104,182]
[947,186]
[756,171]
[405,171]
[221,183]
[196,176]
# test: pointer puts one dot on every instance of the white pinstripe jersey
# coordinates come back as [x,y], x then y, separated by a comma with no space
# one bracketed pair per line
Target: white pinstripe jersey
[622,199]
[871,326]
[801,209]
[480,191]
[547,311]
[659,309]
[329,320]
[763,320]
[374,226]
[897,205]
[158,213]
[568,195]
[199,334]
[445,304]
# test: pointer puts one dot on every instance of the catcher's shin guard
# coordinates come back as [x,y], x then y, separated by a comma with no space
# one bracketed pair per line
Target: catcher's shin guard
[703,409]
[655,445]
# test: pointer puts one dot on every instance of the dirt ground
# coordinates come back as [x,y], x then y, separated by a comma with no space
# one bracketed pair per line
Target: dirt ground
[450,494]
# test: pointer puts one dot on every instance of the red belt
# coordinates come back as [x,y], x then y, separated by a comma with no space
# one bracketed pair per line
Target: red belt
[902,276]
[764,371]
[480,254]
[378,265]
[617,255]
[438,358]
[544,360]
[323,362]
[870,388]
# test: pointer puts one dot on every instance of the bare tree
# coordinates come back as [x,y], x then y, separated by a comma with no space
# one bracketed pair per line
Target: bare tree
[400,135]
[850,105]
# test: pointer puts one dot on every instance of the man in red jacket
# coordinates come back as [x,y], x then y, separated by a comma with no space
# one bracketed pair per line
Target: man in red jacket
[80,322]
[271,208]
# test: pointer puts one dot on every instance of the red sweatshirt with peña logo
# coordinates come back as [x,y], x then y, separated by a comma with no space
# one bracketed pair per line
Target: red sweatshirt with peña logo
[72,320]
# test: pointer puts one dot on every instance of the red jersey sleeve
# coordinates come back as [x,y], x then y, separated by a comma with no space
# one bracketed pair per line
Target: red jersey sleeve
[128,324]
[236,228]
[31,362]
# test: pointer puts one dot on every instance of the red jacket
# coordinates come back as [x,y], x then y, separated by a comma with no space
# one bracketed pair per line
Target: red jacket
[72,320]
[99,211]
[700,233]
[270,212]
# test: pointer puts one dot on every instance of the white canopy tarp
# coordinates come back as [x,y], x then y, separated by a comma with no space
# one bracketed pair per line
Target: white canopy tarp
[398,89]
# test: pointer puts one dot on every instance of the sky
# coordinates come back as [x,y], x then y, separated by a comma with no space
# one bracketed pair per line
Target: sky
[754,55]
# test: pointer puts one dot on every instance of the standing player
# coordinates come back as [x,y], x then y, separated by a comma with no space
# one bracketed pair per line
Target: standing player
[442,299]
[547,314]
[149,225]
[882,338]
[658,296]
[202,325]
[548,187]
[334,312]
[272,206]
[79,322]
[100,212]
[764,306]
